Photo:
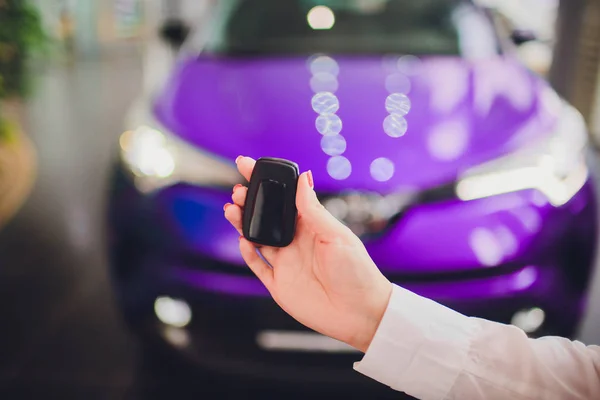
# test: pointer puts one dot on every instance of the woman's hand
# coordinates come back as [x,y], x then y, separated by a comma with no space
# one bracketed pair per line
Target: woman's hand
[325,279]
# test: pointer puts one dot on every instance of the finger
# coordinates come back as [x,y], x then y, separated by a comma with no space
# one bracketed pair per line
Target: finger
[233,214]
[304,233]
[239,195]
[256,263]
[315,216]
[245,165]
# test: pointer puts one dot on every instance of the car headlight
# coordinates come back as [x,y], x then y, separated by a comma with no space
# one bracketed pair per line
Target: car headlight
[555,166]
[158,159]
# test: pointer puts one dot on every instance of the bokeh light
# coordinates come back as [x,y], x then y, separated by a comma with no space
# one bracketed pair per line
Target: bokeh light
[486,247]
[180,338]
[333,145]
[147,149]
[172,312]
[507,239]
[324,82]
[398,103]
[323,63]
[339,167]
[382,169]
[328,124]
[321,17]
[448,140]
[398,83]
[409,64]
[526,277]
[529,218]
[337,207]
[325,103]
[529,320]
[395,125]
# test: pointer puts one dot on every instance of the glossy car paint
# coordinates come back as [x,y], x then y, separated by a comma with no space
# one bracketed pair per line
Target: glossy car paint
[462,113]
[489,258]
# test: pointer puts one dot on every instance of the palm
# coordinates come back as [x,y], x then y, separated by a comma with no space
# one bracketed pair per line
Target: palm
[303,263]
[324,276]
[313,280]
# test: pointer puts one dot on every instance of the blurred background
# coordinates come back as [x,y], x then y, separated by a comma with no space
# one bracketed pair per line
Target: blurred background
[458,138]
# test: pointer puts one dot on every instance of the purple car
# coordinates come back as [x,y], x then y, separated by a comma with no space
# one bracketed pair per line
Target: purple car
[463,172]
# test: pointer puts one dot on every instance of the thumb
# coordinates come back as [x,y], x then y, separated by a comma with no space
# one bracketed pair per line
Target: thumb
[314,215]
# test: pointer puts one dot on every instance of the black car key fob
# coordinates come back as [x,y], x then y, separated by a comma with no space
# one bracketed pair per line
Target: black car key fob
[270,209]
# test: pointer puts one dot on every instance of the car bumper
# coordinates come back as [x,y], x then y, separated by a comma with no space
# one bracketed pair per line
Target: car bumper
[232,311]
[230,317]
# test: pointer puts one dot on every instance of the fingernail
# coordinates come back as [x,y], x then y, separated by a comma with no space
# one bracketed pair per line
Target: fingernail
[226,206]
[238,159]
[237,187]
[311,182]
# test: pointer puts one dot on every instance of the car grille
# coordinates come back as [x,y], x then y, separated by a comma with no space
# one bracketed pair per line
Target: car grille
[371,214]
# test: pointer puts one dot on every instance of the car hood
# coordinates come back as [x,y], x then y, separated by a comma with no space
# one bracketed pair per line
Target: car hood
[462,113]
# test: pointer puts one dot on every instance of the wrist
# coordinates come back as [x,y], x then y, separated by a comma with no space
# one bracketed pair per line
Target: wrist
[373,316]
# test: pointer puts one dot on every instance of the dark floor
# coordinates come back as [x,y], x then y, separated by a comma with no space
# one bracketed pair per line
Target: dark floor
[60,334]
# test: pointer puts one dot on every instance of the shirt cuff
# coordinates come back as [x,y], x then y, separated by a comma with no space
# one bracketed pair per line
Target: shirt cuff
[420,346]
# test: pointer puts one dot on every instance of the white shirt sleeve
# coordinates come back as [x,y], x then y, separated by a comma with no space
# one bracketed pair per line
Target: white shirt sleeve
[432,352]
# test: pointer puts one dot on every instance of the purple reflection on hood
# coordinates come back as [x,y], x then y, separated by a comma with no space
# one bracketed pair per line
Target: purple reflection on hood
[462,113]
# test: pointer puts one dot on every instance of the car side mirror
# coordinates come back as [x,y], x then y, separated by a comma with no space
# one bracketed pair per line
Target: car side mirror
[174,32]
[522,36]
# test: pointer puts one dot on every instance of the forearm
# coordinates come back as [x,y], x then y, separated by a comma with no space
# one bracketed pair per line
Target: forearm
[432,352]
[504,363]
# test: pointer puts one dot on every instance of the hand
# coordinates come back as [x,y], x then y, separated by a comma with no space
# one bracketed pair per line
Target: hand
[325,278]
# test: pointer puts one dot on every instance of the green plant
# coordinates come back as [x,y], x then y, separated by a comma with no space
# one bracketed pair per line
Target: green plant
[21,34]
[3,128]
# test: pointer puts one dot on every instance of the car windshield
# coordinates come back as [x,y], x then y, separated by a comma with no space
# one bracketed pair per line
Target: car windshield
[444,27]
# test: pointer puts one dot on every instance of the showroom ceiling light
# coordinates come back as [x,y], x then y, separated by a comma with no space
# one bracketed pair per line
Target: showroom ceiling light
[321,18]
